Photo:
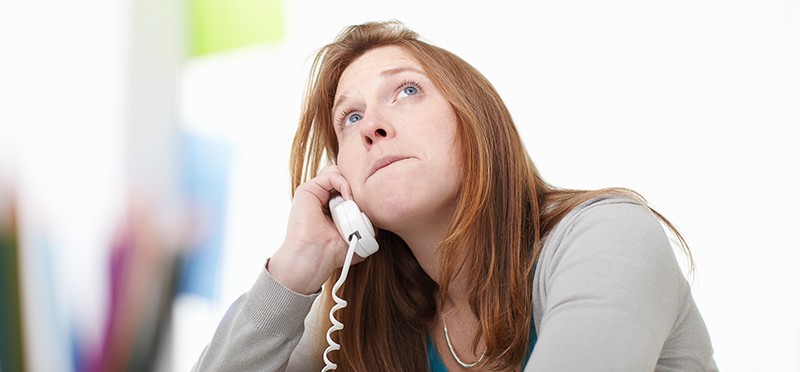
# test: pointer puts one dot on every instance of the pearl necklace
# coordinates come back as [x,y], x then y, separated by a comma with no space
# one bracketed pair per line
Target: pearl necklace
[453,352]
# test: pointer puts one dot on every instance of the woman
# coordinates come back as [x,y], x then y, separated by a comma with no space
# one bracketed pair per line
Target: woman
[527,276]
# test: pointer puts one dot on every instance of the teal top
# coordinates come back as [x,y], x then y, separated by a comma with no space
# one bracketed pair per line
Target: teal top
[436,365]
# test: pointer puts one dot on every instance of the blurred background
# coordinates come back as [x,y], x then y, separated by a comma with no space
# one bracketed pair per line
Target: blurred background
[144,151]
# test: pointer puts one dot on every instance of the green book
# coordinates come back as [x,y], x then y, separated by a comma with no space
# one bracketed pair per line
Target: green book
[223,25]
[11,341]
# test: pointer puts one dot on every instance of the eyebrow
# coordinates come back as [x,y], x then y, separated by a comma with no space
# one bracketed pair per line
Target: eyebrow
[394,71]
[384,75]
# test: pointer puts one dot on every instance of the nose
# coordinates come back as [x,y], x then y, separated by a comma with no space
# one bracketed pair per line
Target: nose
[375,128]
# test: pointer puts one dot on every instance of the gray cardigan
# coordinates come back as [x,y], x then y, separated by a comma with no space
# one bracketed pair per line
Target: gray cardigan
[608,295]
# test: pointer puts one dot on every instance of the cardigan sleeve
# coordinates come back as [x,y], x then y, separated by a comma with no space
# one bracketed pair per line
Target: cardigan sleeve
[261,331]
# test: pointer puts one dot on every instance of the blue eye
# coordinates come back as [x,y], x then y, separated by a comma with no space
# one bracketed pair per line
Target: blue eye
[410,90]
[352,119]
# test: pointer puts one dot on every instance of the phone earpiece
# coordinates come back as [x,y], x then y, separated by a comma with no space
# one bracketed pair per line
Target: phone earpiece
[353,224]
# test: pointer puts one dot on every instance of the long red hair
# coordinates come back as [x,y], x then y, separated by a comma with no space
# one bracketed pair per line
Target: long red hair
[503,213]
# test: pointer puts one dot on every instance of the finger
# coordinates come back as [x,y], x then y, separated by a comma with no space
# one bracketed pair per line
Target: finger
[339,183]
[324,184]
[343,187]
[328,168]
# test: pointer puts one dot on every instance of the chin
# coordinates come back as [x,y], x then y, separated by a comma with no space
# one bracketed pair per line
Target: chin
[390,213]
[407,215]
[404,204]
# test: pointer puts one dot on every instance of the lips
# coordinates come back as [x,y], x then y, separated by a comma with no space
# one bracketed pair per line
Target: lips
[384,162]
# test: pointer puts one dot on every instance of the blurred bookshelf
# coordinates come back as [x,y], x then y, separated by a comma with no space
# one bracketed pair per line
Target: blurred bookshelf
[12,353]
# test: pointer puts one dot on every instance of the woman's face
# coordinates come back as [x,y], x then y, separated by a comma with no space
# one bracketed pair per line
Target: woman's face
[397,141]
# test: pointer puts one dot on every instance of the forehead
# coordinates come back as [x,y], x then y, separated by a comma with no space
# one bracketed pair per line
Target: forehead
[373,62]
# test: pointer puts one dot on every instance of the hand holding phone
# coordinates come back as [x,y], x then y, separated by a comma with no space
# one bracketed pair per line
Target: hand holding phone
[310,251]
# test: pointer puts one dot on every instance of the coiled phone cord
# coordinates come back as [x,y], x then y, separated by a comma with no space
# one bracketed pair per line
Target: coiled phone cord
[340,304]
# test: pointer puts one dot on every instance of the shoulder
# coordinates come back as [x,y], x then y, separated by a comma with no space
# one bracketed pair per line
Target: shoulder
[609,245]
[608,286]
[619,208]
[615,223]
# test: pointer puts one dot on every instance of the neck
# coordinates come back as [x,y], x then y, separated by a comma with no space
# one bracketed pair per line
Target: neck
[424,238]
[424,234]
[424,245]
[425,248]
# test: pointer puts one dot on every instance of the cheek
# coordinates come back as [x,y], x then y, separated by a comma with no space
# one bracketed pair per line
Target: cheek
[346,163]
[451,141]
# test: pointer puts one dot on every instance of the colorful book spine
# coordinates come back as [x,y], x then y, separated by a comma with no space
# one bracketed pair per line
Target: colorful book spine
[12,352]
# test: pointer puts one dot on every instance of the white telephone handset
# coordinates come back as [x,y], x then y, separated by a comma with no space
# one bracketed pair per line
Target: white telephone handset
[350,221]
[356,229]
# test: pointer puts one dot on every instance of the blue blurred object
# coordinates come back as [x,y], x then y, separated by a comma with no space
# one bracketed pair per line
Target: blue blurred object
[204,183]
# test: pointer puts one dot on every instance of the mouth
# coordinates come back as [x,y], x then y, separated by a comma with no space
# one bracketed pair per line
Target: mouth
[384,162]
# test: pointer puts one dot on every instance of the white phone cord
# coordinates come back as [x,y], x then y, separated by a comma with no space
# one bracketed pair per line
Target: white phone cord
[340,304]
